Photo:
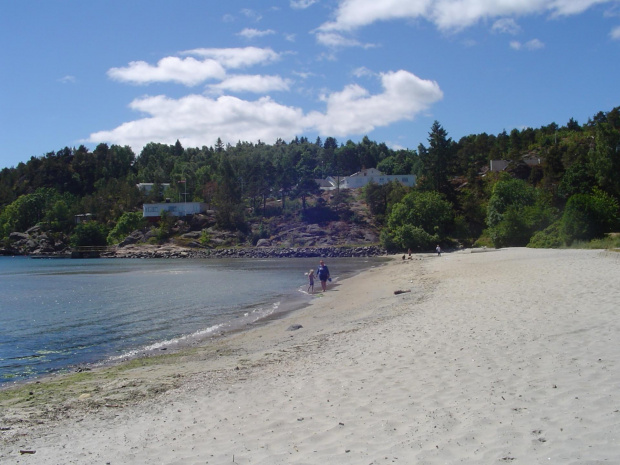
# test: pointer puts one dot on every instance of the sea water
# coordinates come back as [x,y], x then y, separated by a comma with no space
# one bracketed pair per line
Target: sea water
[60,314]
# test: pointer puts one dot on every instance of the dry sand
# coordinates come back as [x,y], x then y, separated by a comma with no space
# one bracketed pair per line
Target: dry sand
[509,356]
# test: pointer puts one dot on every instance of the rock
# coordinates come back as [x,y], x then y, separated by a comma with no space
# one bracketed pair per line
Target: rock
[18,236]
[192,235]
[294,327]
[263,243]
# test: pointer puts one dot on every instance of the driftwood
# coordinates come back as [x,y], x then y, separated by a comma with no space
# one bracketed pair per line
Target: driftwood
[401,291]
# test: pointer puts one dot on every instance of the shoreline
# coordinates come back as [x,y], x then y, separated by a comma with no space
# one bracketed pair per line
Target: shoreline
[255,314]
[507,356]
[172,250]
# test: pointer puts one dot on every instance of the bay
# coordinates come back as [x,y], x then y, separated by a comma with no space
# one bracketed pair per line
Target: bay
[60,314]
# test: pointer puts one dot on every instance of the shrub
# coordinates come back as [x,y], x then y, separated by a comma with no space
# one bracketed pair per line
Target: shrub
[127,223]
[548,238]
[412,237]
[588,216]
[90,233]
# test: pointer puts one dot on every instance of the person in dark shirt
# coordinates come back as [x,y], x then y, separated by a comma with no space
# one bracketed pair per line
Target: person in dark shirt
[323,273]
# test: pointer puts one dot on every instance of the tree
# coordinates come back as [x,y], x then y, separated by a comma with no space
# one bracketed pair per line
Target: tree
[27,211]
[437,161]
[515,211]
[126,224]
[588,216]
[419,219]
[605,158]
[90,233]
[227,199]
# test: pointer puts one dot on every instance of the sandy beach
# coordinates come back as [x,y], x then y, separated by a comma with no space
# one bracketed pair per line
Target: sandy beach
[507,356]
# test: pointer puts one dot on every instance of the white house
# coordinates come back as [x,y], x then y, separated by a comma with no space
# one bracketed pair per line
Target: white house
[147,187]
[153,210]
[361,178]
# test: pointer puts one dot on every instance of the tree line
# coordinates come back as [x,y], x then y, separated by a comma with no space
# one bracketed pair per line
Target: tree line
[572,194]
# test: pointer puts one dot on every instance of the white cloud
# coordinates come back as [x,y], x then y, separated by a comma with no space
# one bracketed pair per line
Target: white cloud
[615,33]
[506,26]
[188,71]
[362,71]
[236,57]
[252,83]
[533,44]
[250,33]
[352,14]
[198,120]
[68,79]
[448,14]
[355,111]
[251,14]
[191,71]
[302,4]
[336,40]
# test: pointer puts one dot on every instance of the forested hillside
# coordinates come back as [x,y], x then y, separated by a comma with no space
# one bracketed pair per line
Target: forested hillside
[562,184]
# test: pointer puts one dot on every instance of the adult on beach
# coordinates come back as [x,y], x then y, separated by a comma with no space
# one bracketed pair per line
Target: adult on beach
[323,274]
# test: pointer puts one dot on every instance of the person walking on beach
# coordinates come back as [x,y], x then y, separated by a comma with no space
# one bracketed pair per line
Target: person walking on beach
[438,250]
[323,274]
[311,282]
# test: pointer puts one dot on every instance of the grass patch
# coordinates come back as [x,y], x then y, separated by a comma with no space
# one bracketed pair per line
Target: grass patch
[610,241]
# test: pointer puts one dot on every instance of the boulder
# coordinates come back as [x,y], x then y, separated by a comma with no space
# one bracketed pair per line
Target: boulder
[18,236]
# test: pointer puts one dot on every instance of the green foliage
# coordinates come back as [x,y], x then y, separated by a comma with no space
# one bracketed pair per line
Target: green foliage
[412,237]
[237,180]
[605,158]
[515,212]
[508,193]
[484,240]
[417,221]
[29,210]
[126,224]
[548,238]
[401,162]
[576,180]
[205,237]
[90,233]
[438,161]
[381,198]
[610,241]
[166,223]
[588,216]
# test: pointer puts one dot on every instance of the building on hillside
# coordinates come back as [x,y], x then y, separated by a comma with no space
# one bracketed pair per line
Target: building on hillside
[532,160]
[83,218]
[153,210]
[326,184]
[361,178]
[500,165]
[147,187]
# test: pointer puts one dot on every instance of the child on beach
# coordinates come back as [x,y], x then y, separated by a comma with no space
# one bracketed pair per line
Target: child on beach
[311,281]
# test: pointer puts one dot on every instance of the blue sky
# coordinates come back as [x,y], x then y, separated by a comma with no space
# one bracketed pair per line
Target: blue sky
[130,72]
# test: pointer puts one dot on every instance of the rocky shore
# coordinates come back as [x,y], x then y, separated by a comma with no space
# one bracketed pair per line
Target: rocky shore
[338,239]
[172,251]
